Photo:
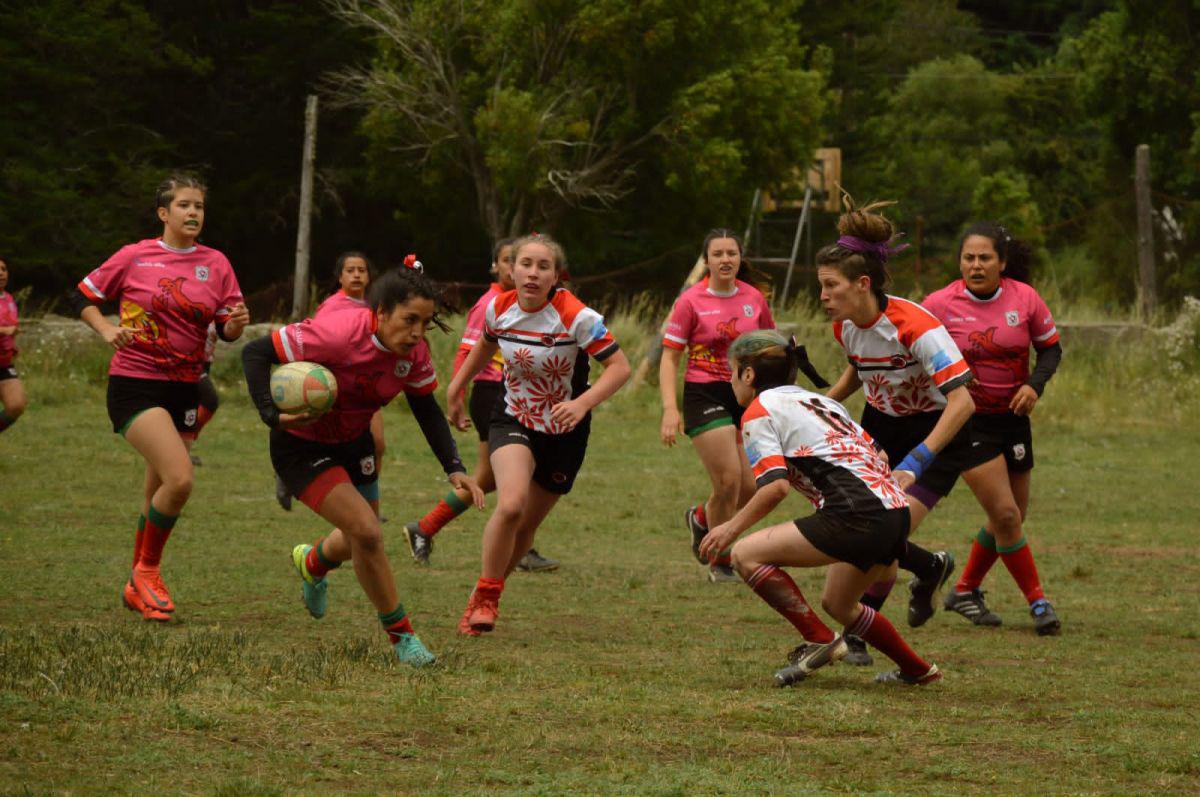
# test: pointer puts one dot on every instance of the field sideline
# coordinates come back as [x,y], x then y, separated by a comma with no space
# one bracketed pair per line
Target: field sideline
[623,673]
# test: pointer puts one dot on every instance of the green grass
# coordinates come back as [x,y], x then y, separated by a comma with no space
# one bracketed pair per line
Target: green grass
[623,673]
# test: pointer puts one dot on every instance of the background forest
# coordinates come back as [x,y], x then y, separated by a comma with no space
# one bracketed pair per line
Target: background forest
[627,129]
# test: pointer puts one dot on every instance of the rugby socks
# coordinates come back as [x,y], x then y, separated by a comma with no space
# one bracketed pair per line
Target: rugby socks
[877,631]
[1019,561]
[396,623]
[154,538]
[983,555]
[316,563]
[781,593]
[446,510]
[5,420]
[877,593]
[489,589]
[138,537]
[920,562]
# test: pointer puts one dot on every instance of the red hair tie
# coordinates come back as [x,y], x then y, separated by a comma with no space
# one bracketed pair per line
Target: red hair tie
[410,261]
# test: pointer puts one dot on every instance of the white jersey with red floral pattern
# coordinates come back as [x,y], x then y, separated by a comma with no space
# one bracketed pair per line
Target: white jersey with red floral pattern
[545,353]
[906,359]
[810,440]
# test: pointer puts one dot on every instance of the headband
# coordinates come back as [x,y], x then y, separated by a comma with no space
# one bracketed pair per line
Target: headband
[881,251]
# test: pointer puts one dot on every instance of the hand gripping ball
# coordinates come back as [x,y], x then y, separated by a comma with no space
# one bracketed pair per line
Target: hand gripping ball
[303,388]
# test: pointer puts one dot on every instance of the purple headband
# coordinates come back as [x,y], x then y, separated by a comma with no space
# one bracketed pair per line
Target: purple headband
[880,251]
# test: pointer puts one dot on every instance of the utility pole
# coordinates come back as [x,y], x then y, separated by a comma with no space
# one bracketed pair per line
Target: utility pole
[304,229]
[1147,294]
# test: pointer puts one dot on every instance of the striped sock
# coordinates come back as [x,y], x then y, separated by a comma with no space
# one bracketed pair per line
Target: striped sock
[983,555]
[446,510]
[877,631]
[316,563]
[878,593]
[1018,558]
[395,623]
[157,531]
[780,592]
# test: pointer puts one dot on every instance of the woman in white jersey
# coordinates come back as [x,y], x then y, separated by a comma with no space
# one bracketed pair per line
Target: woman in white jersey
[538,434]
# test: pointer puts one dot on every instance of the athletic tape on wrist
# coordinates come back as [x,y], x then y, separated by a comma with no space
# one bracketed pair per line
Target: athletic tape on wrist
[917,460]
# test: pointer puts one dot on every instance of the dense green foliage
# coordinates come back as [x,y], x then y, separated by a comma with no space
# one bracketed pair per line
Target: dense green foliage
[628,129]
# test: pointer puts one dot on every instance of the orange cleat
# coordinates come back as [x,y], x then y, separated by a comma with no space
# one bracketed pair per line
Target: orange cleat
[483,617]
[464,622]
[151,589]
[133,602]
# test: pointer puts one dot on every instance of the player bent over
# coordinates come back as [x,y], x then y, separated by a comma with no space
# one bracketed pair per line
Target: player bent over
[798,439]
[328,462]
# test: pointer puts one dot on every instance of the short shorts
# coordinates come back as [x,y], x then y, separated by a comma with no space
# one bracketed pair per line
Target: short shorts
[709,405]
[310,469]
[1004,434]
[129,397]
[864,539]
[484,396]
[557,458]
[899,435]
[8,372]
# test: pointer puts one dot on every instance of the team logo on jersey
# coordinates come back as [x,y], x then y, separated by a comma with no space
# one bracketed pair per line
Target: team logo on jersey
[547,339]
[941,360]
[189,418]
[599,330]
[1018,451]
[748,310]
[897,361]
[402,368]
[367,464]
[1012,318]
[202,273]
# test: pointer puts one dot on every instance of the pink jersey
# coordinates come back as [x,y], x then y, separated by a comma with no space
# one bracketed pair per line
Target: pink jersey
[168,297]
[8,318]
[494,370]
[994,335]
[339,301]
[705,323]
[545,353]
[906,359]
[368,374]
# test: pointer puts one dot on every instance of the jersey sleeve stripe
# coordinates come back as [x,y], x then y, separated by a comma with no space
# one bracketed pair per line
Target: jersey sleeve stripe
[283,348]
[773,462]
[951,371]
[958,381]
[606,351]
[431,379]
[670,343]
[1046,338]
[669,339]
[423,390]
[90,290]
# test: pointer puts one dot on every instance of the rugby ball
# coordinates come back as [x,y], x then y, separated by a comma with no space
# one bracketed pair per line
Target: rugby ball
[303,388]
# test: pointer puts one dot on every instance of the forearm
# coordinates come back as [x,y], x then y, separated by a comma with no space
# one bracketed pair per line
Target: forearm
[257,358]
[668,366]
[8,330]
[847,384]
[616,373]
[472,365]
[433,425]
[92,316]
[959,407]
[761,504]
[1047,363]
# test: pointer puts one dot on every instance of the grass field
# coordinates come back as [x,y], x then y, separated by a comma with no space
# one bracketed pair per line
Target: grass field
[623,673]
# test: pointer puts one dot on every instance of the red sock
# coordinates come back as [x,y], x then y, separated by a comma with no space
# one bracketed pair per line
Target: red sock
[316,563]
[877,631]
[781,593]
[203,416]
[154,539]
[1019,561]
[446,510]
[701,515]
[395,623]
[138,536]
[983,555]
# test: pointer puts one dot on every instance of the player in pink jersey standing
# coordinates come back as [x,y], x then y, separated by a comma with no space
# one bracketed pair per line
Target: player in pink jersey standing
[486,389]
[12,393]
[328,462]
[914,377]
[706,318]
[538,434]
[995,316]
[169,289]
[802,440]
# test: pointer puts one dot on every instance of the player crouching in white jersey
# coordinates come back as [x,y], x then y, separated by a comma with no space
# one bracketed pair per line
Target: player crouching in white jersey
[795,438]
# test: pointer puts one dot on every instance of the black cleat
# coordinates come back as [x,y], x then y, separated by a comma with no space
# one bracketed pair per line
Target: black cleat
[723,574]
[534,562]
[420,544]
[698,532]
[1045,621]
[922,593]
[809,657]
[282,495]
[897,678]
[856,653]
[971,606]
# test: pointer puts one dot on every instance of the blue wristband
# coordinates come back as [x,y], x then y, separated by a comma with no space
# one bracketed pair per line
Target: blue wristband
[917,460]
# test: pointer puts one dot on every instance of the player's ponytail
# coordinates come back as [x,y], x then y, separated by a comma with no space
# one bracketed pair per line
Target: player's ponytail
[774,358]
[864,245]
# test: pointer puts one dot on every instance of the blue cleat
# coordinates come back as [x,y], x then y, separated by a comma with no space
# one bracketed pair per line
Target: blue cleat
[312,589]
[410,651]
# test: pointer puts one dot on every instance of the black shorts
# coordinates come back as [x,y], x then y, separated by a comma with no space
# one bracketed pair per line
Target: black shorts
[1000,434]
[206,391]
[709,405]
[129,397]
[557,458]
[864,539]
[8,372]
[899,435]
[299,462]
[484,396]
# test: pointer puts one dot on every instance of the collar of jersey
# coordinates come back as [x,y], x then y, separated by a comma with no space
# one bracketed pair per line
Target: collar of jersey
[549,297]
[342,291]
[170,248]
[875,320]
[992,298]
[711,292]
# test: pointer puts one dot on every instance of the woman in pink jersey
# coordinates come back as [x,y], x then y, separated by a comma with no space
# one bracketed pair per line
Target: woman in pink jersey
[12,393]
[375,353]
[707,317]
[914,378]
[170,289]
[995,316]
[801,440]
[538,434]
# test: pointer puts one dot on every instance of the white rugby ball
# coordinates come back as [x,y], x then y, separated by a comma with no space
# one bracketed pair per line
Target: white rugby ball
[303,388]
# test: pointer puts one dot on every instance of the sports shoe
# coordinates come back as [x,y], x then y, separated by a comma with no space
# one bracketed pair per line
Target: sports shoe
[483,616]
[971,606]
[534,562]
[897,678]
[697,530]
[922,593]
[312,590]
[809,657]
[419,543]
[723,574]
[196,461]
[282,495]
[151,590]
[856,652]
[410,651]
[1045,621]
[134,603]
[464,622]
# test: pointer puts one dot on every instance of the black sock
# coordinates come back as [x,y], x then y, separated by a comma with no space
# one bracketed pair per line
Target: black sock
[874,601]
[920,562]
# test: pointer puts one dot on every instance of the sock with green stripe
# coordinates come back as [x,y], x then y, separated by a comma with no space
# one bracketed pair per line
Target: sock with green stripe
[6,420]
[317,563]
[138,537]
[446,510]
[983,555]
[154,538]
[396,623]
[1018,558]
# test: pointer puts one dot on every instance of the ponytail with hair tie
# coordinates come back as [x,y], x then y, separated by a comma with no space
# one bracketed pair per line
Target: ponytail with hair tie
[799,356]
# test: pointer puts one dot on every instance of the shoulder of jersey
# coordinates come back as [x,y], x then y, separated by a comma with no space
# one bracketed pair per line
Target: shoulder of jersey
[907,315]
[749,289]
[567,305]
[502,302]
[944,294]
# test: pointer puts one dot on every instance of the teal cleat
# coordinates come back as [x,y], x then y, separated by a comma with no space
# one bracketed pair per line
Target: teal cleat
[312,589]
[410,651]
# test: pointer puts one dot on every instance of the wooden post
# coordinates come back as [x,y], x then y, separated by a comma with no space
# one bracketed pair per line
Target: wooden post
[304,229]
[1147,295]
